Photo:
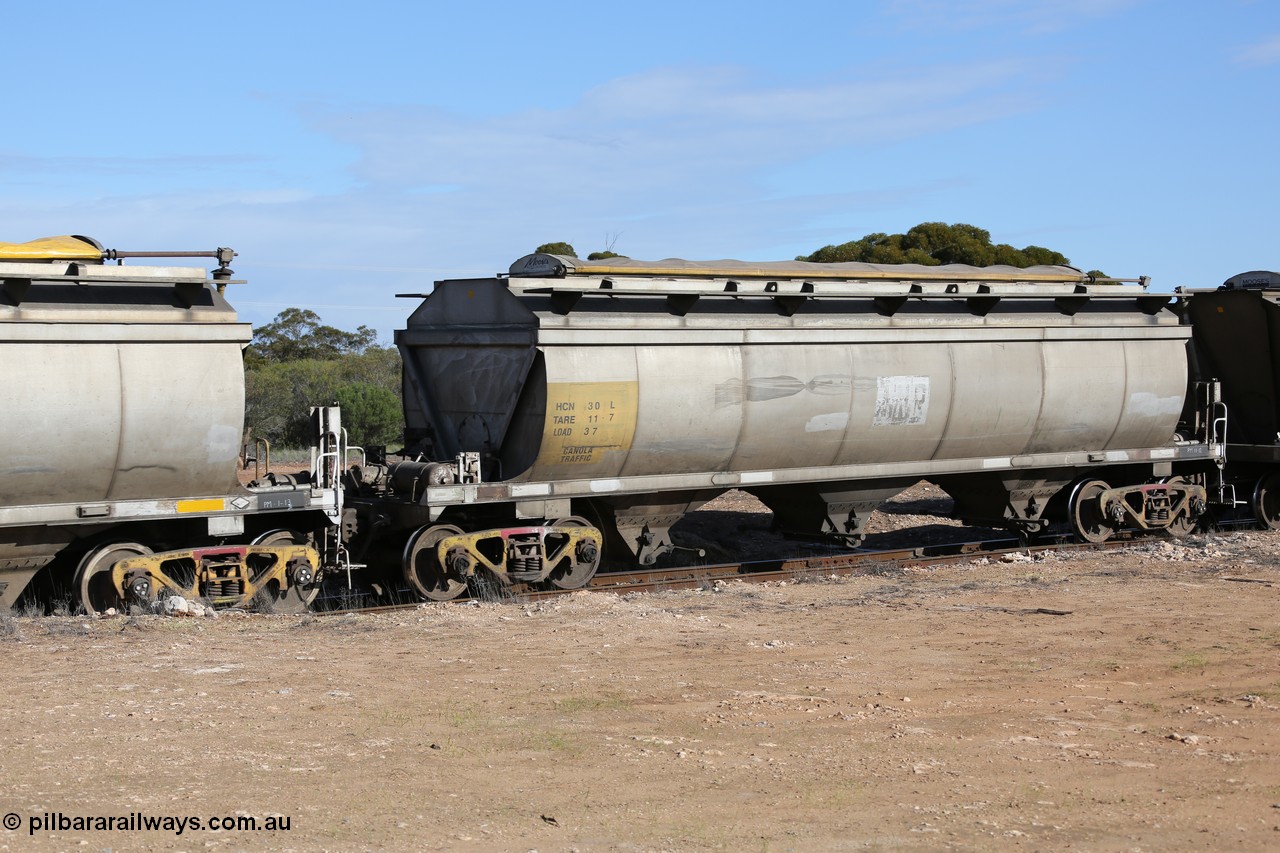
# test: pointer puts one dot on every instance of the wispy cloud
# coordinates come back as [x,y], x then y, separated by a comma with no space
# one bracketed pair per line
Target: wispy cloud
[674,151]
[1263,53]
[669,133]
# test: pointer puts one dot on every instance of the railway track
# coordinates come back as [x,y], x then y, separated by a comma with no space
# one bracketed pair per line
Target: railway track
[760,571]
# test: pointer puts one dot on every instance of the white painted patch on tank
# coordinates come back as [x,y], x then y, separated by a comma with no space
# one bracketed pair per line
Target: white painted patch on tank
[221,443]
[901,400]
[827,422]
[1146,404]
[606,485]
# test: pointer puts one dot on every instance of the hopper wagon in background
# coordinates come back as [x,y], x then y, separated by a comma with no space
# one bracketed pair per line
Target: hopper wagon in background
[122,414]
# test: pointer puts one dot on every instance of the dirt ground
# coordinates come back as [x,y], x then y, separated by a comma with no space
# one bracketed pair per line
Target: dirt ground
[923,709]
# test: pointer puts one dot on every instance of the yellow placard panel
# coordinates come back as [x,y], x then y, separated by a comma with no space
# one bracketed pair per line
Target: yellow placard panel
[586,420]
[204,505]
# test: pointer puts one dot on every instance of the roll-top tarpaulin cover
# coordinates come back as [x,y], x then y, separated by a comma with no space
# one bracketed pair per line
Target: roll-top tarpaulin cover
[65,248]
[554,266]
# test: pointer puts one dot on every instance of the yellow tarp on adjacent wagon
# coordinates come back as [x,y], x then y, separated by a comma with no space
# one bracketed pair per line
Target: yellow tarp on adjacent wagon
[65,248]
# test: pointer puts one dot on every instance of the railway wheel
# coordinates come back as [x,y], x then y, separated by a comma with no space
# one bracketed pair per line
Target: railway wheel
[578,565]
[297,598]
[1266,501]
[1184,524]
[422,568]
[93,575]
[1088,518]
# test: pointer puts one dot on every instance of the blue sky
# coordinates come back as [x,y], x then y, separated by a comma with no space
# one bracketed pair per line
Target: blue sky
[351,151]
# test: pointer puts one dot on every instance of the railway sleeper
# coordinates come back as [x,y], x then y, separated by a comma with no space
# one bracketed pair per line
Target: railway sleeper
[284,577]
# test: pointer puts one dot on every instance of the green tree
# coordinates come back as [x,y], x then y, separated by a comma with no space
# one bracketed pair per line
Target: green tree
[933,243]
[297,334]
[557,249]
[296,362]
[370,413]
[603,256]
[1041,255]
[268,398]
[279,396]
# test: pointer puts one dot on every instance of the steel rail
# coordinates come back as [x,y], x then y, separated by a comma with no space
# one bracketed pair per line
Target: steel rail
[854,563]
